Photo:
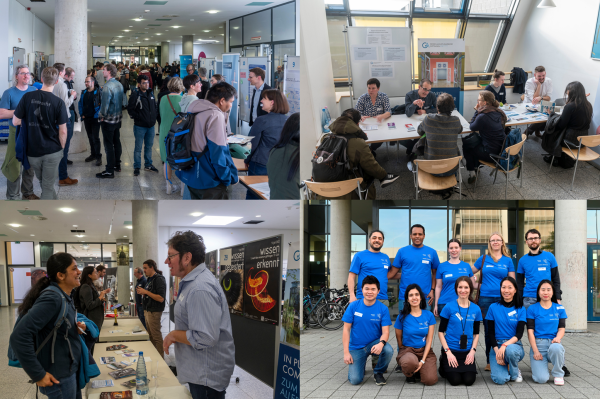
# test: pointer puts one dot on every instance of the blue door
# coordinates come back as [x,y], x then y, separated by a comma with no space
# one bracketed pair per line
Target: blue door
[593,283]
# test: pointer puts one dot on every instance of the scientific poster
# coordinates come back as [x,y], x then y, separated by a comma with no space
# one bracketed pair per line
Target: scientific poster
[232,277]
[262,279]
[381,70]
[394,53]
[211,261]
[379,36]
[291,84]
[364,53]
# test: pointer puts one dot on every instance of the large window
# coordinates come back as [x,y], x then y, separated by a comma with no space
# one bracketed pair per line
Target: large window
[543,221]
[479,39]
[490,7]
[379,5]
[429,28]
[337,46]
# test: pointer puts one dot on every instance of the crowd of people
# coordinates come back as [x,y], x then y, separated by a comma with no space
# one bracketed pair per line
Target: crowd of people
[149,94]
[509,301]
[68,303]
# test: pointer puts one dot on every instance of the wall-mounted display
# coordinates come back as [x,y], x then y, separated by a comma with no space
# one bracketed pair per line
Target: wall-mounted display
[231,276]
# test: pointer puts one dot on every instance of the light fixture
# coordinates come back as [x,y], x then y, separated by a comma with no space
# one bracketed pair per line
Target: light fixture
[66,210]
[175,27]
[146,39]
[212,11]
[196,214]
[126,30]
[546,4]
[130,26]
[14,225]
[236,27]
[125,236]
[79,235]
[257,216]
[75,225]
[217,220]
[205,31]
[146,10]
[129,227]
[158,34]
[33,235]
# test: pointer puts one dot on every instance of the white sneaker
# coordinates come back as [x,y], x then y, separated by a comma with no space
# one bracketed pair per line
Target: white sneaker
[182,189]
[559,381]
[174,188]
[520,377]
[409,165]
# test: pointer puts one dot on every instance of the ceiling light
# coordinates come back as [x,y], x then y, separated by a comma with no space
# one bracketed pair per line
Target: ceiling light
[236,27]
[196,214]
[33,235]
[138,42]
[212,11]
[220,26]
[125,236]
[205,31]
[14,225]
[191,20]
[75,225]
[66,210]
[129,227]
[42,241]
[119,36]
[138,20]
[158,34]
[146,10]
[130,26]
[257,216]
[546,4]
[146,39]
[217,220]
[79,235]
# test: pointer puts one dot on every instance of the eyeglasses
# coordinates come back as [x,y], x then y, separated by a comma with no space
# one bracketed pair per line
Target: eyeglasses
[25,73]
[424,89]
[533,239]
[171,256]
[494,241]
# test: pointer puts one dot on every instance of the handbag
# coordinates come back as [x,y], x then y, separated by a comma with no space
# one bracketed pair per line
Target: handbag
[77,126]
[476,300]
[471,141]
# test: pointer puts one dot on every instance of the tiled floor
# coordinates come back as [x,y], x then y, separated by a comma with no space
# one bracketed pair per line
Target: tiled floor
[125,186]
[538,182]
[14,382]
[324,374]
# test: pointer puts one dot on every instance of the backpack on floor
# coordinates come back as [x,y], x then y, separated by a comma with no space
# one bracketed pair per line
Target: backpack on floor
[514,137]
[178,142]
[62,318]
[330,162]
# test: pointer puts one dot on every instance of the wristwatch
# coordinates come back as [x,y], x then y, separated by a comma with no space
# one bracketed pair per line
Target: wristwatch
[474,349]
[422,361]
[446,349]
[383,342]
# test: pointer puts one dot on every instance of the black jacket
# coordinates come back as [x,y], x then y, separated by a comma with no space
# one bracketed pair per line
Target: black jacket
[140,283]
[71,86]
[142,108]
[259,111]
[499,95]
[92,306]
[204,91]
[489,126]
[518,78]
[553,136]
[156,285]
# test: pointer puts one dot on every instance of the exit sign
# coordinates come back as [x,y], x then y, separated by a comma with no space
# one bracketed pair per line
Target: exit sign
[17,242]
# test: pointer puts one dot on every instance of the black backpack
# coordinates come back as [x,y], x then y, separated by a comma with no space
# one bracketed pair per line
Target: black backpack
[178,142]
[330,162]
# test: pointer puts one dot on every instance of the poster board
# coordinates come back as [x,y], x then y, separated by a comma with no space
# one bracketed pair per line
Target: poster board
[231,277]
[212,262]
[291,83]
[383,53]
[184,61]
[110,281]
[218,66]
[231,65]
[290,312]
[246,90]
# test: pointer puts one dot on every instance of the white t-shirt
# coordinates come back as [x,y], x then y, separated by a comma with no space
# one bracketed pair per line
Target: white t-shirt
[530,87]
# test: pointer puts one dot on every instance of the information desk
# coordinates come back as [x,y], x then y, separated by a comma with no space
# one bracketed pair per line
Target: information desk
[127,326]
[249,180]
[168,385]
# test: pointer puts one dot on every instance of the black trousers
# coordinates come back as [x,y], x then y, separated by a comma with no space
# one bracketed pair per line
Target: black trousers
[220,192]
[536,127]
[473,156]
[455,379]
[111,134]
[92,128]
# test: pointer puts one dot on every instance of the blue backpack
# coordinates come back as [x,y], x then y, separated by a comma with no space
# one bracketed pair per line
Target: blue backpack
[178,142]
[514,137]
[62,318]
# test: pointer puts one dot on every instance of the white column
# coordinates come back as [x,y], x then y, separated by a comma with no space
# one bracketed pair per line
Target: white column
[188,45]
[339,262]
[70,48]
[90,59]
[145,232]
[164,53]
[123,277]
[570,245]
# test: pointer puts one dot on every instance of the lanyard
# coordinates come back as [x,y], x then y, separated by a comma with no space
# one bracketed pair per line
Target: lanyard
[467,315]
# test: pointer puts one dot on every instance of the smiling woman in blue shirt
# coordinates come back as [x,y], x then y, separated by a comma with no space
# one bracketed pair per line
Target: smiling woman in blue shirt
[446,275]
[414,334]
[546,323]
[494,266]
[459,335]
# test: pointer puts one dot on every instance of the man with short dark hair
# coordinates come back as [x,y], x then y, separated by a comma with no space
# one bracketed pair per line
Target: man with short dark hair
[142,109]
[538,89]
[89,107]
[202,72]
[110,115]
[99,284]
[138,272]
[214,172]
[62,91]
[256,76]
[204,347]
[366,332]
[370,262]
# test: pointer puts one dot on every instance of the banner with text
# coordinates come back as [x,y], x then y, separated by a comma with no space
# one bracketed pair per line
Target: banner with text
[288,373]
[231,277]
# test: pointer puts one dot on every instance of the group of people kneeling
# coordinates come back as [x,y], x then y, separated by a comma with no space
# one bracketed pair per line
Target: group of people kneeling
[367,327]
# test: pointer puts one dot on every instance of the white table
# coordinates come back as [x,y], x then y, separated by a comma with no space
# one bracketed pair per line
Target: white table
[524,117]
[127,326]
[168,384]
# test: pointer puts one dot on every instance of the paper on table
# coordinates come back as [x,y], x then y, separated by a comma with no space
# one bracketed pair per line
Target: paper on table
[369,127]
[115,331]
[135,359]
[102,384]
[239,139]
[263,188]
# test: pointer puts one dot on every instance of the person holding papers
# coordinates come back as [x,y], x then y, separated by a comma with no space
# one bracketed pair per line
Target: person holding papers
[374,104]
[537,89]
[420,101]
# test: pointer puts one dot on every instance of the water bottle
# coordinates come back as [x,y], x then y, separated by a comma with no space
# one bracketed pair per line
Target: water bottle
[141,377]
[328,116]
[324,122]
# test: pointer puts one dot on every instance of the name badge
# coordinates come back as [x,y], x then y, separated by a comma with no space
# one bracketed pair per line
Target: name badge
[458,315]
[541,269]
[560,307]
[501,94]
[386,267]
[514,312]
[357,314]
[379,109]
[489,265]
[448,275]
[425,261]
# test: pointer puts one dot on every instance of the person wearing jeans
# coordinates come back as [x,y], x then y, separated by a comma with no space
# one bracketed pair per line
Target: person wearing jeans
[366,331]
[154,294]
[141,282]
[89,107]
[110,116]
[142,109]
[546,324]
[61,90]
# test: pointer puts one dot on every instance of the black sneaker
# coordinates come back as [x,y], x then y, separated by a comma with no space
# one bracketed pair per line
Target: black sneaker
[117,168]
[99,161]
[151,168]
[379,379]
[566,370]
[388,179]
[397,369]
[411,380]
[90,158]
[136,172]
[69,162]
[105,175]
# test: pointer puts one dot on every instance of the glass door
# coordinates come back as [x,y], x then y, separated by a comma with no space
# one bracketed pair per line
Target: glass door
[594,283]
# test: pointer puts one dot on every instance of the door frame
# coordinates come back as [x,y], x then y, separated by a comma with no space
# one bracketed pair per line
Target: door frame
[590,265]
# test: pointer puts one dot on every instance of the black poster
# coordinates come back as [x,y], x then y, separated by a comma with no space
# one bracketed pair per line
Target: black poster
[231,277]
[262,279]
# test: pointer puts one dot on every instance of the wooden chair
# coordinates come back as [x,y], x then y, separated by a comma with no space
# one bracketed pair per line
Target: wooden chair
[510,151]
[333,189]
[584,153]
[424,174]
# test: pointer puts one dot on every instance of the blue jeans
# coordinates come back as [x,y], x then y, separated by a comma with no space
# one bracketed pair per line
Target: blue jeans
[202,392]
[484,305]
[255,169]
[441,307]
[62,167]
[528,301]
[67,389]
[513,354]
[553,353]
[356,370]
[140,312]
[430,308]
[143,135]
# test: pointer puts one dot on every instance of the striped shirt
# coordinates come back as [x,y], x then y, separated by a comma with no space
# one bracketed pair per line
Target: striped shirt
[201,311]
[441,137]
[365,106]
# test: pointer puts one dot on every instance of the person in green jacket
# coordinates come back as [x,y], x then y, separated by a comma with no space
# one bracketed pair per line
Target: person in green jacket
[284,159]
[169,108]
[359,153]
[133,75]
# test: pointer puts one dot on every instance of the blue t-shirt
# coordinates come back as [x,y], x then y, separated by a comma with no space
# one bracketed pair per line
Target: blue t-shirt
[449,273]
[505,319]
[367,263]
[536,268]
[546,320]
[367,322]
[415,329]
[457,318]
[11,98]
[416,265]
[493,273]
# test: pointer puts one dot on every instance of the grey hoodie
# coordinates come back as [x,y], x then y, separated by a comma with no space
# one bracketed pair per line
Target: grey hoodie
[186,100]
